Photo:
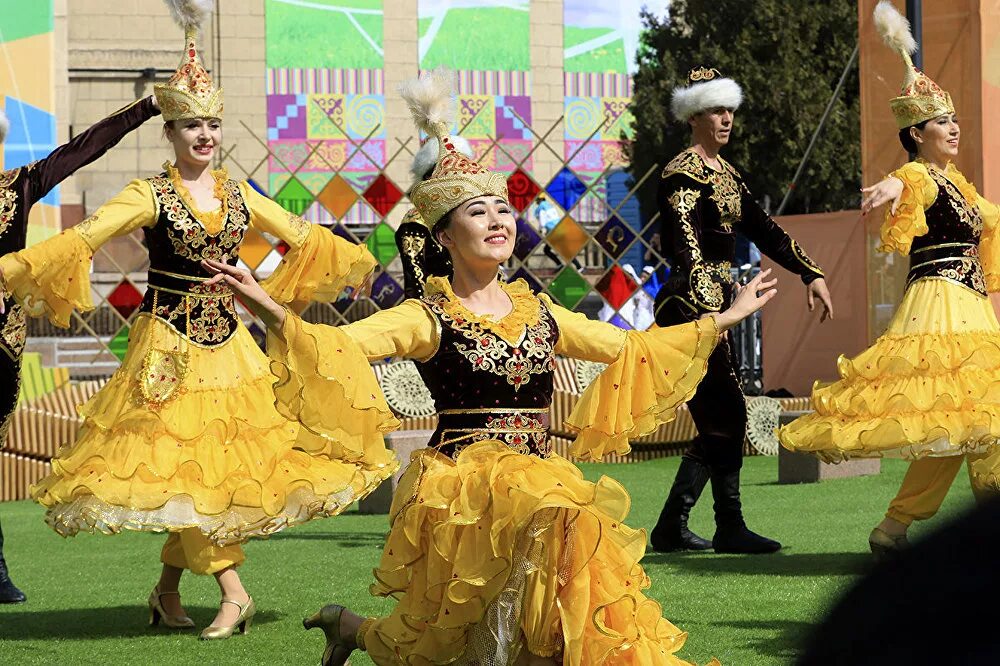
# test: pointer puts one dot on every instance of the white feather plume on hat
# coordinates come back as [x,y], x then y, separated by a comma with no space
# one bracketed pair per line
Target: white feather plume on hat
[4,126]
[431,100]
[894,28]
[189,13]
[697,97]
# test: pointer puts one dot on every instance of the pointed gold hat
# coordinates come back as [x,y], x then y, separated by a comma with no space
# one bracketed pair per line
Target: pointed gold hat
[920,98]
[456,178]
[190,92]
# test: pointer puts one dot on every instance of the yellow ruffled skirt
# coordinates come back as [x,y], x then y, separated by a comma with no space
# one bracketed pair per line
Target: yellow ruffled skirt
[930,386]
[218,456]
[496,553]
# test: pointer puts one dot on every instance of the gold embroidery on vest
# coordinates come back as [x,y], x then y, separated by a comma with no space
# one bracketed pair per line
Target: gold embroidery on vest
[15,331]
[967,213]
[532,355]
[8,198]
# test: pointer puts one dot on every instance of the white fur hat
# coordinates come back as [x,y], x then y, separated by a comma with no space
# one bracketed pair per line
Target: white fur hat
[427,156]
[706,89]
[4,126]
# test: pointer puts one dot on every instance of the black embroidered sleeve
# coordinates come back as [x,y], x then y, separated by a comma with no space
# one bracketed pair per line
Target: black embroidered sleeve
[774,242]
[85,147]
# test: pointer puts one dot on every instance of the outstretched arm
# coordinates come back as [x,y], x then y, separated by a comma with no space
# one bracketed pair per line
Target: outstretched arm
[53,277]
[650,373]
[86,147]
[319,264]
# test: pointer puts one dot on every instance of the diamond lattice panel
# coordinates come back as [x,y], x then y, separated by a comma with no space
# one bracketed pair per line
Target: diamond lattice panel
[568,238]
[125,298]
[294,197]
[522,190]
[569,288]
[382,243]
[527,239]
[386,291]
[119,343]
[566,189]
[383,195]
[338,197]
[615,237]
[254,249]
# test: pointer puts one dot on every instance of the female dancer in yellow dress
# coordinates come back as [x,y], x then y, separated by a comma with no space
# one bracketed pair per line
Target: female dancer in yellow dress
[185,437]
[499,551]
[928,390]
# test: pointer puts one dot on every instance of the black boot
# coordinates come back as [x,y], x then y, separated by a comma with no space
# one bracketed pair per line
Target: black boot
[9,594]
[732,534]
[671,532]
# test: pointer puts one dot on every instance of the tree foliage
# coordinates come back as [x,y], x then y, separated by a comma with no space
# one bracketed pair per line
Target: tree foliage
[788,56]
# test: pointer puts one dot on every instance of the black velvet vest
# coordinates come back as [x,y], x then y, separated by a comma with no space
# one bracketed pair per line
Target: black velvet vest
[950,248]
[485,388]
[177,243]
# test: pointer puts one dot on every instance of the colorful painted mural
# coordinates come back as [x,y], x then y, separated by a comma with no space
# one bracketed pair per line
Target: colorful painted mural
[494,84]
[325,106]
[600,41]
[27,94]
[326,134]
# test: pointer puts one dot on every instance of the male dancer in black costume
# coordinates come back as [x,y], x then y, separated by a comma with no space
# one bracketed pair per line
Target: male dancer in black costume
[20,189]
[703,202]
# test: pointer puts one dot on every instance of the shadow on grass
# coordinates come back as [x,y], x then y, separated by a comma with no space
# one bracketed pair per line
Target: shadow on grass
[779,564]
[103,622]
[345,539]
[779,639]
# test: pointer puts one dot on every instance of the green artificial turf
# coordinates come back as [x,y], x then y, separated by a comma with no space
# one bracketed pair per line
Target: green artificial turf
[87,594]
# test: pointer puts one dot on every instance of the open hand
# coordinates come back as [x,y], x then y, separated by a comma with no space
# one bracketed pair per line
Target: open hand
[250,292]
[817,289]
[749,299]
[887,189]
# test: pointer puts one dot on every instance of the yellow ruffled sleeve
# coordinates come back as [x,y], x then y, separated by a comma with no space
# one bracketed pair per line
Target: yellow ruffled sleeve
[318,265]
[919,192]
[989,243]
[650,374]
[325,383]
[407,331]
[52,278]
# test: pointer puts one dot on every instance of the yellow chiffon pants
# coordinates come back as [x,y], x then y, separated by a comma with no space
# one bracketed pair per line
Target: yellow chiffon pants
[192,550]
[927,482]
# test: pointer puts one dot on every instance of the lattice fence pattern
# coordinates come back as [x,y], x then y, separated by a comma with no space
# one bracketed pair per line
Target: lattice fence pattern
[580,235]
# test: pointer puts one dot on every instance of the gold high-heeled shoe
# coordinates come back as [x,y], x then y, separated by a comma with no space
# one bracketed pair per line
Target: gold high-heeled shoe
[885,546]
[243,621]
[156,612]
[328,619]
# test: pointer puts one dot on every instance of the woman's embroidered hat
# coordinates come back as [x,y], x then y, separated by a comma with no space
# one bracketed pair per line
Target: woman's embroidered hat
[456,178]
[190,92]
[920,99]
